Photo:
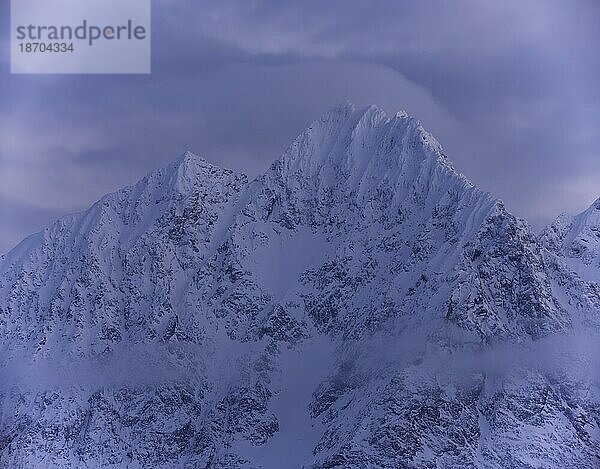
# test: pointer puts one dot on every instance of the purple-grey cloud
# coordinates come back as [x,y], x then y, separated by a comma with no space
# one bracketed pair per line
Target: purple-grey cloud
[508,88]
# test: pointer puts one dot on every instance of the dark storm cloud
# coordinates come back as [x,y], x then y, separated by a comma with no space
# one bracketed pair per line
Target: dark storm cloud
[507,87]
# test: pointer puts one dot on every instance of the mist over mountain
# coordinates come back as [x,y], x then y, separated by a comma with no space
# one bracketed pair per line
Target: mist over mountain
[360,304]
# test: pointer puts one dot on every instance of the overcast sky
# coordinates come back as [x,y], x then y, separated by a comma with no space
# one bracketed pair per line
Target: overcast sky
[510,89]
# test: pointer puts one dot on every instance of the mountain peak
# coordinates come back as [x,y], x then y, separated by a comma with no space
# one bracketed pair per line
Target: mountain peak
[190,161]
[358,147]
[347,110]
[189,171]
[189,155]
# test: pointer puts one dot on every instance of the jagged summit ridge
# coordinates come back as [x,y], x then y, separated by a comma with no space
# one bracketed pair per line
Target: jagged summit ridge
[337,137]
[367,157]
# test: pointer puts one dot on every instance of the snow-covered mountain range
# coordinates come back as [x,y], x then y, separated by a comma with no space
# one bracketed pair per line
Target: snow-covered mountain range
[361,304]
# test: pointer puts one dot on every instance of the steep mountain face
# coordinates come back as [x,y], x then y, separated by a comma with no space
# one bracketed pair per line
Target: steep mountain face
[572,250]
[360,304]
[577,238]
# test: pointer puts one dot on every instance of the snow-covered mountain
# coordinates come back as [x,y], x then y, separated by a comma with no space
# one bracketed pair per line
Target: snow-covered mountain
[361,304]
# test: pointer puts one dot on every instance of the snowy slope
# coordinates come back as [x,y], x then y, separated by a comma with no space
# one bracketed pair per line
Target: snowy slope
[578,239]
[361,304]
